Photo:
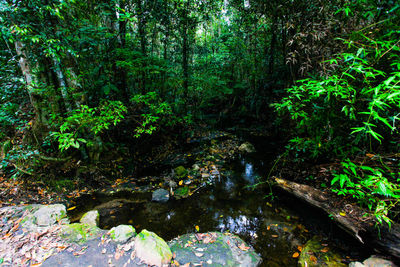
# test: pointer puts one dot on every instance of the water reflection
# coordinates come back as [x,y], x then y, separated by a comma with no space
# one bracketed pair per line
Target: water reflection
[239,225]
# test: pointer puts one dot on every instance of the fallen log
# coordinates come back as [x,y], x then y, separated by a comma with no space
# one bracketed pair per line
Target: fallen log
[349,217]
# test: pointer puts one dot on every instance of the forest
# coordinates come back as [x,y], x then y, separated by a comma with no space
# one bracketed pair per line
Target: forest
[243,132]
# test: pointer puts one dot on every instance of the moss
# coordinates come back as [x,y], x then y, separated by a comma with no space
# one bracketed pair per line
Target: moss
[181,172]
[182,192]
[79,232]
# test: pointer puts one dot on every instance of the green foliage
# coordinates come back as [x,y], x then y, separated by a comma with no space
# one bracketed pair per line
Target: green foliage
[157,114]
[362,98]
[374,187]
[85,123]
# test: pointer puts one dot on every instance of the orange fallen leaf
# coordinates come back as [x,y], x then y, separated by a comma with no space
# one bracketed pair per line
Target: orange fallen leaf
[295,255]
[313,259]
[300,248]
[325,249]
[274,236]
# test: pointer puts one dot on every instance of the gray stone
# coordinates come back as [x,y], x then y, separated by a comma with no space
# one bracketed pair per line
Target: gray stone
[247,148]
[152,249]
[122,233]
[160,195]
[356,264]
[374,261]
[49,215]
[91,218]
[213,249]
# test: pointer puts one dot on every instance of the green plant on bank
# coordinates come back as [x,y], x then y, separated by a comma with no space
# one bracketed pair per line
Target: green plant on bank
[376,188]
[85,123]
[362,98]
[351,110]
[157,113]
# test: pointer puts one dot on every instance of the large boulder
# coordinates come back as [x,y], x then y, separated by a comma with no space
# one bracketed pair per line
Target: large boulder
[122,233]
[314,254]
[213,249]
[152,249]
[50,215]
[160,195]
[91,218]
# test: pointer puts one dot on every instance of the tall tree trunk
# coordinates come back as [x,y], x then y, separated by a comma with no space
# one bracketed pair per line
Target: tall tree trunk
[30,80]
[62,83]
[142,36]
[185,50]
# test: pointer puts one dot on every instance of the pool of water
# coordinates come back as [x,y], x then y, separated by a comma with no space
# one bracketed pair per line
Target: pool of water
[274,227]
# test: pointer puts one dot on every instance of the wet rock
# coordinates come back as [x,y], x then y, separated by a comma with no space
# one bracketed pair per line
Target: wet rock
[373,261]
[180,172]
[195,167]
[160,195]
[80,232]
[91,218]
[247,148]
[50,215]
[152,249]
[314,254]
[215,249]
[122,233]
[181,192]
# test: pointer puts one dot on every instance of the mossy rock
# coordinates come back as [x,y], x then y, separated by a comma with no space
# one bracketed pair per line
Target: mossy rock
[79,232]
[91,217]
[180,172]
[213,249]
[122,233]
[314,254]
[152,249]
[181,192]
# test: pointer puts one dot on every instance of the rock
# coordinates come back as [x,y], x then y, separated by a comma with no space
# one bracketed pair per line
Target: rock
[80,232]
[373,261]
[216,249]
[314,254]
[160,195]
[91,218]
[181,192]
[122,233]
[180,172]
[50,215]
[195,167]
[152,249]
[247,148]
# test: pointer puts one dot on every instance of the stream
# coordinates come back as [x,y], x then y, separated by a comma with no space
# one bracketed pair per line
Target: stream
[276,227]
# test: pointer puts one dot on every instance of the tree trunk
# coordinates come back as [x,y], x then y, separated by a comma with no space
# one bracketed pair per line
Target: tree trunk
[349,218]
[30,81]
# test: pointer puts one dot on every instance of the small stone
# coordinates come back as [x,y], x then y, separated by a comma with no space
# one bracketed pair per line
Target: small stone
[122,233]
[160,195]
[195,167]
[247,148]
[180,171]
[91,218]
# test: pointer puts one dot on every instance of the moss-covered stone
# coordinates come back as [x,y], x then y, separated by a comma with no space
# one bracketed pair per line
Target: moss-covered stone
[91,217]
[122,233]
[79,232]
[152,249]
[180,172]
[181,192]
[314,254]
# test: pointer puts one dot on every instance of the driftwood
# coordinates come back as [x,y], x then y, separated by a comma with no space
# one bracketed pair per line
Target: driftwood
[349,217]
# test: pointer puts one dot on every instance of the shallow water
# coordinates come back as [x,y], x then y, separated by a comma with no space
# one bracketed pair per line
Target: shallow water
[274,227]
